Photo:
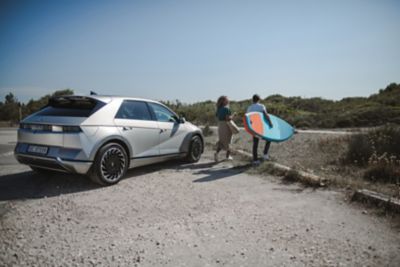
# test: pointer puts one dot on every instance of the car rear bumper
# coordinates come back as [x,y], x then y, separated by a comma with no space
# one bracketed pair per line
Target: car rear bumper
[55,164]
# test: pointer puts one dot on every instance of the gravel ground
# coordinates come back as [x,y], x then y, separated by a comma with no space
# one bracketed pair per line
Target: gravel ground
[171,214]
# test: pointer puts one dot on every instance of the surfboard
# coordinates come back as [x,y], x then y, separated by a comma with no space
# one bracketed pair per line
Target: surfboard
[257,125]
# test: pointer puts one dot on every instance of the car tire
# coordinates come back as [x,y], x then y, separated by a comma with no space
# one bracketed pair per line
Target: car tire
[110,164]
[195,149]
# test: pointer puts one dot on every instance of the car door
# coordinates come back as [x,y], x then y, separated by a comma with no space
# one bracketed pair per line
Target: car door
[171,131]
[137,125]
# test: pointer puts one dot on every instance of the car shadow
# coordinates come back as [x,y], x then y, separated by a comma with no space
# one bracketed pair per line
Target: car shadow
[31,185]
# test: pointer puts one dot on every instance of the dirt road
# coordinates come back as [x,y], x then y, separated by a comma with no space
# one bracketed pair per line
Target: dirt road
[171,214]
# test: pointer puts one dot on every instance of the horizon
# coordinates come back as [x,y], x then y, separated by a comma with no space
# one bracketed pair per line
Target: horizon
[199,101]
[194,51]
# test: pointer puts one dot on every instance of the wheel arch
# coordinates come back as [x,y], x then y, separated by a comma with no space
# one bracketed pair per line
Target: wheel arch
[185,146]
[113,139]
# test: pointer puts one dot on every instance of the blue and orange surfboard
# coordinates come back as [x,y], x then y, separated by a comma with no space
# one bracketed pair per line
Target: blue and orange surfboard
[257,125]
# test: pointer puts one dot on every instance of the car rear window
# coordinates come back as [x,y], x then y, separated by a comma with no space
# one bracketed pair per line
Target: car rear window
[71,107]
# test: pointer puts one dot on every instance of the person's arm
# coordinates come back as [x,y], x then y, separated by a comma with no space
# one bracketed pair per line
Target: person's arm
[267,116]
[229,116]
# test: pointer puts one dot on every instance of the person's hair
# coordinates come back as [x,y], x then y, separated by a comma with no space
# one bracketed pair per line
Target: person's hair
[256,98]
[221,100]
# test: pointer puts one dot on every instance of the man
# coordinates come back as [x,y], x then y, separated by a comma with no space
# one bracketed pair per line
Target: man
[258,107]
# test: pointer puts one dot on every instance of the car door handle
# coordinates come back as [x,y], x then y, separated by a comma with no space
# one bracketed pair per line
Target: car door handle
[127,128]
[163,130]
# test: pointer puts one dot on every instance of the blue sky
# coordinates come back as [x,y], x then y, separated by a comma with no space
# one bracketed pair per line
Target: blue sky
[198,50]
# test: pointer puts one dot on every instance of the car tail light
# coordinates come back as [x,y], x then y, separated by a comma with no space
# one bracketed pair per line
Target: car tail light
[50,128]
[57,128]
[24,126]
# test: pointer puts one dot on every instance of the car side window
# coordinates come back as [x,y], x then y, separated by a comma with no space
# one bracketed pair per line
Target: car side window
[163,114]
[133,110]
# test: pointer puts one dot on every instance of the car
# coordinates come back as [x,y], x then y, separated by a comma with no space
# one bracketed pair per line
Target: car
[103,136]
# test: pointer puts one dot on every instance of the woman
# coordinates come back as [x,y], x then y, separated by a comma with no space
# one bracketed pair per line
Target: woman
[224,114]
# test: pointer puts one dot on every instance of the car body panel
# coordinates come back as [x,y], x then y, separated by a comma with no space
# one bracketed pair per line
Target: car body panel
[142,135]
[171,136]
[104,116]
[146,141]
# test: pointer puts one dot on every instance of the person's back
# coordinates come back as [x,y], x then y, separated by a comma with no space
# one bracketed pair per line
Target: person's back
[256,107]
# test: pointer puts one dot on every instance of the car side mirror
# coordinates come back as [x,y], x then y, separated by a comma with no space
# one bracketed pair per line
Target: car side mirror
[182,119]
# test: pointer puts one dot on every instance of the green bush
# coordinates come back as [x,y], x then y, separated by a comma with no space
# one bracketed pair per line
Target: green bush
[376,145]
[379,151]
[383,173]
[207,131]
[359,149]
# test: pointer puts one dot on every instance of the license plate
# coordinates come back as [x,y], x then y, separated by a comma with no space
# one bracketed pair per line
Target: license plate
[38,149]
[37,127]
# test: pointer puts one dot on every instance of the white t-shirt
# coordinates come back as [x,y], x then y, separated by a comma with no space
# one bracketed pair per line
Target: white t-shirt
[256,107]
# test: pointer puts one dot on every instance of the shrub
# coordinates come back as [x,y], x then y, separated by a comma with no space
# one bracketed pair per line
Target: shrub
[377,145]
[380,151]
[292,176]
[383,173]
[207,131]
[359,149]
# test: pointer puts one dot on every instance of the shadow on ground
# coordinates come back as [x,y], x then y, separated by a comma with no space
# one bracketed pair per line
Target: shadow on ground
[32,185]
[216,174]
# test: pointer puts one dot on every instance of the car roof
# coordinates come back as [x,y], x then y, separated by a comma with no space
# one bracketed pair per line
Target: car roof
[108,98]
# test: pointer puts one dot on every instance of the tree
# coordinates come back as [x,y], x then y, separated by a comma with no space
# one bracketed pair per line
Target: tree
[9,111]
[35,105]
[10,99]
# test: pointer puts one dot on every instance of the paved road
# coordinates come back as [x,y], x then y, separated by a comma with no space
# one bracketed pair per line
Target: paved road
[171,214]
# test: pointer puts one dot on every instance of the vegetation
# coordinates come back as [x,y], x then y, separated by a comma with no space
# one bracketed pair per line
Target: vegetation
[377,109]
[207,131]
[13,111]
[379,152]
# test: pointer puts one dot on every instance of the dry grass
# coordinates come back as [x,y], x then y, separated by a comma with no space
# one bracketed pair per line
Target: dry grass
[207,131]
[8,124]
[320,154]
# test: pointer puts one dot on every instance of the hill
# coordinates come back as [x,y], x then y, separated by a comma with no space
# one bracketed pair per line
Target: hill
[377,109]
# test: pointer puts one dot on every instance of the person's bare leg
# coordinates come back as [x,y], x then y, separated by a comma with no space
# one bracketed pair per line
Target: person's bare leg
[217,151]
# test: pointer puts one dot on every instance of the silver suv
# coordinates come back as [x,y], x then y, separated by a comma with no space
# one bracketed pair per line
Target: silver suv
[103,136]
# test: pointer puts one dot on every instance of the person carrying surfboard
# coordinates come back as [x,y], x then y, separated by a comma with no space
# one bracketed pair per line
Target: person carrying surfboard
[258,107]
[224,115]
